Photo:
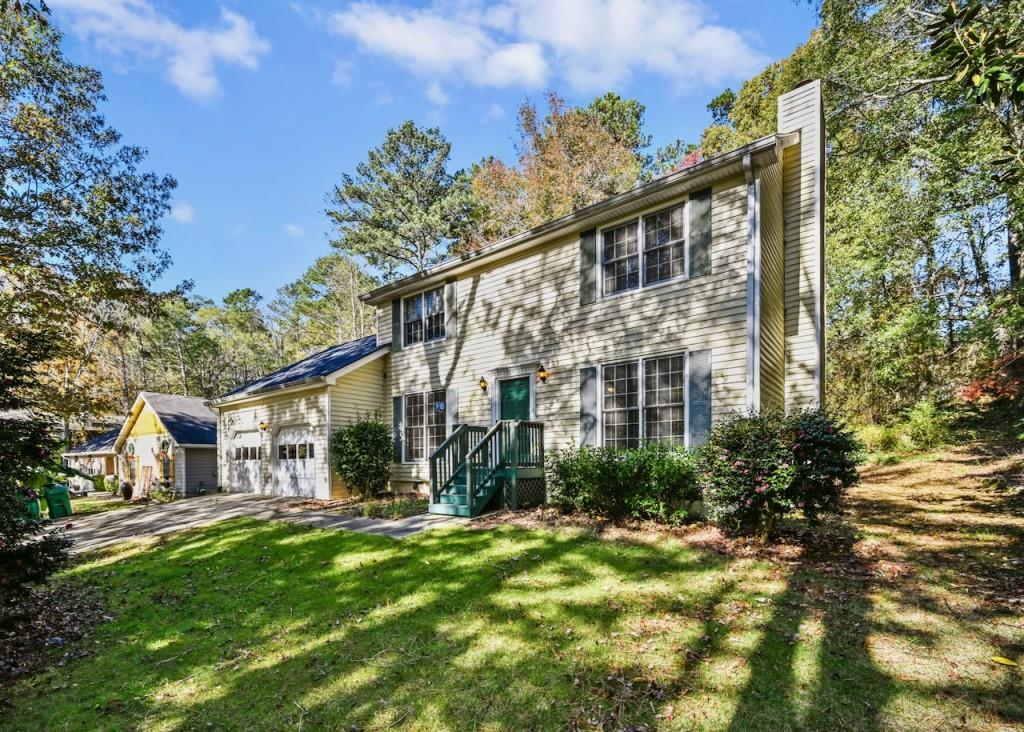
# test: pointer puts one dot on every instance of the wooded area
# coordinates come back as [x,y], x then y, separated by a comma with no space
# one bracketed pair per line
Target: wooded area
[924,215]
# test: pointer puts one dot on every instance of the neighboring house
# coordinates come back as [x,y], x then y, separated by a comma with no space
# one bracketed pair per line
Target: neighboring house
[274,434]
[651,315]
[95,457]
[168,440]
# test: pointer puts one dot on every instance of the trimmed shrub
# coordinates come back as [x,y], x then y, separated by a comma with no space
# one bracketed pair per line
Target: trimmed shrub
[823,459]
[759,467]
[361,455]
[651,482]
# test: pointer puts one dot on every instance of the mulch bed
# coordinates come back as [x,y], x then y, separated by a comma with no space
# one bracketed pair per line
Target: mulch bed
[35,627]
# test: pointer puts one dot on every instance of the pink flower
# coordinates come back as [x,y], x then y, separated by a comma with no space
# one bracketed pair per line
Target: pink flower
[67,525]
[760,489]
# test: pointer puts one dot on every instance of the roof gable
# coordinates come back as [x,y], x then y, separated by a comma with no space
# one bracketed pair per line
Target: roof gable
[187,419]
[103,443]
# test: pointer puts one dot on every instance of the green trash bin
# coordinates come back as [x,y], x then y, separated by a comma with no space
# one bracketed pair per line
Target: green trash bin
[32,508]
[58,499]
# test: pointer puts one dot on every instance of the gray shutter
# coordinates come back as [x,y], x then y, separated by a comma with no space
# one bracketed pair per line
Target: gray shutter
[398,421]
[451,306]
[589,422]
[699,246]
[699,425]
[451,407]
[396,324]
[588,267]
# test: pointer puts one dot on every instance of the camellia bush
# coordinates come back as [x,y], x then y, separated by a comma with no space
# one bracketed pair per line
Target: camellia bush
[361,455]
[757,468]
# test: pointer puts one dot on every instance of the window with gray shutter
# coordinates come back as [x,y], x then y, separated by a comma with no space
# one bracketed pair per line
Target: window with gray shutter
[589,422]
[396,325]
[450,310]
[700,233]
[699,426]
[396,431]
[588,267]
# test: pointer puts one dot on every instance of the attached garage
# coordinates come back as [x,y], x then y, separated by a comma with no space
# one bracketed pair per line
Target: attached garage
[295,461]
[275,432]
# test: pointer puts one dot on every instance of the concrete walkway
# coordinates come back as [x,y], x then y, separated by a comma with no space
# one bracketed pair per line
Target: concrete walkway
[98,530]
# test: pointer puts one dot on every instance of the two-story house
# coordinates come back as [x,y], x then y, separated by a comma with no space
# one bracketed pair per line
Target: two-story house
[650,315]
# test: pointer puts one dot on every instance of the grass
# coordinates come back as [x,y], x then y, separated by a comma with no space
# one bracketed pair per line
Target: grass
[888,622]
[84,505]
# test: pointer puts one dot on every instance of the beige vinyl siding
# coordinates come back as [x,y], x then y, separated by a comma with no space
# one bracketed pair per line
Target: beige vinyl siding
[802,164]
[357,395]
[200,467]
[295,408]
[772,290]
[525,311]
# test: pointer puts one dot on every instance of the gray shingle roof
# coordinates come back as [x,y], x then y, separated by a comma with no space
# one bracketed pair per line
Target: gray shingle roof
[103,443]
[312,367]
[188,419]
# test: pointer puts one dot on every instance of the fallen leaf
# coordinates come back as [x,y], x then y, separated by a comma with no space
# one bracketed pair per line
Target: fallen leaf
[1004,661]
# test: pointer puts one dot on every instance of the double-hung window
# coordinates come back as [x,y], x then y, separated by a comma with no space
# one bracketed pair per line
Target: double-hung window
[657,412]
[621,407]
[646,251]
[664,245]
[424,316]
[620,259]
[426,423]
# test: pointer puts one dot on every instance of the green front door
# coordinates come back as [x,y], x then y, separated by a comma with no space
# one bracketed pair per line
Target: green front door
[515,398]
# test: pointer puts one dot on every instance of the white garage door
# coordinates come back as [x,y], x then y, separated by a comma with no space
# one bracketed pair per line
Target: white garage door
[246,457]
[294,471]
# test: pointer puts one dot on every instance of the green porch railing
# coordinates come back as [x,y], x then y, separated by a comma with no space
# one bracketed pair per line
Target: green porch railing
[482,459]
[450,456]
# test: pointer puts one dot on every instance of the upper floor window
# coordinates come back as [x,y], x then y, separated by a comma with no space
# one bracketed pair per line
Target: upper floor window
[620,260]
[664,245]
[424,316]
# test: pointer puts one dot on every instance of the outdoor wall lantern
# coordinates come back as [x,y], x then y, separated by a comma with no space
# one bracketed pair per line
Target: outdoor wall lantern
[264,426]
[482,384]
[542,374]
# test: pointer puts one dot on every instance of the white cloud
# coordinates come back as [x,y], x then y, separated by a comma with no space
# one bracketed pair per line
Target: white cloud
[592,44]
[191,55]
[494,112]
[342,74]
[294,230]
[436,94]
[183,213]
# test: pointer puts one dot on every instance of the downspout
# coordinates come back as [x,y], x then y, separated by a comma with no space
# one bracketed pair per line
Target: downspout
[753,285]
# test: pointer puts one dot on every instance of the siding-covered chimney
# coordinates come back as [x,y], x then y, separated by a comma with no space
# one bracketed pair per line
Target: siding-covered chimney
[803,174]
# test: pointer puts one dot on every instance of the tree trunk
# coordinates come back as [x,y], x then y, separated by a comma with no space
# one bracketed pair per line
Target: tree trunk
[126,398]
[1014,236]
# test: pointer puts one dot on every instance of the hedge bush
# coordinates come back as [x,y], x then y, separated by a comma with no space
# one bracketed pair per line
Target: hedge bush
[756,468]
[361,455]
[652,482]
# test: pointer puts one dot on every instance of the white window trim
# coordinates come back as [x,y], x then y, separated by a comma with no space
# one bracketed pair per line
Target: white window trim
[639,218]
[423,320]
[641,362]
[405,425]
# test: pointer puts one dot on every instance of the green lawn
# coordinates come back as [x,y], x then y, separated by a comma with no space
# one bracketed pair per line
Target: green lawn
[252,625]
[82,506]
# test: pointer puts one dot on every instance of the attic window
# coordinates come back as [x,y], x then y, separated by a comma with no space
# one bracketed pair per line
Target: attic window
[424,316]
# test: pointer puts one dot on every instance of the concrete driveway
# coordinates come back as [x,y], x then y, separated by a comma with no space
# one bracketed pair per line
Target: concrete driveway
[111,527]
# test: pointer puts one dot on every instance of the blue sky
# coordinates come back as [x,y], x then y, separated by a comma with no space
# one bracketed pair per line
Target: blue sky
[257,108]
